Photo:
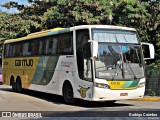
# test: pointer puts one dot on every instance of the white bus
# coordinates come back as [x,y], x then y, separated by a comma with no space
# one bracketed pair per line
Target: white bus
[89,62]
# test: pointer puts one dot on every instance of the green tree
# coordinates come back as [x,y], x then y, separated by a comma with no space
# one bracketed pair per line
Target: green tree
[76,12]
[8,25]
[13,25]
[63,13]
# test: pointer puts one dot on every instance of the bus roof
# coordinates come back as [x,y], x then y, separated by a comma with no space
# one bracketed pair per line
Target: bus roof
[39,34]
[103,27]
[63,30]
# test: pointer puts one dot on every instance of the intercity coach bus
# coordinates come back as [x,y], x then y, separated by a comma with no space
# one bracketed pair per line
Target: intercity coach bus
[89,62]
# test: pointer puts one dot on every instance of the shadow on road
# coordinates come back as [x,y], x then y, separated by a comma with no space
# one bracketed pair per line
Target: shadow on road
[59,99]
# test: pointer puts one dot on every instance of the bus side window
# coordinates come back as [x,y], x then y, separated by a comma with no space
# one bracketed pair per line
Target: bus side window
[19,49]
[61,45]
[49,46]
[35,47]
[10,50]
[87,74]
[14,49]
[25,49]
[54,46]
[68,45]
[42,47]
[6,50]
[65,44]
[30,48]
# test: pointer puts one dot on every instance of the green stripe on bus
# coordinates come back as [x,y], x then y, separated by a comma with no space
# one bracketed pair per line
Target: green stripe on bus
[63,30]
[129,84]
[45,70]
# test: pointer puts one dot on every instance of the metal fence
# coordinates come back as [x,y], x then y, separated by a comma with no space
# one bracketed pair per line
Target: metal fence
[152,80]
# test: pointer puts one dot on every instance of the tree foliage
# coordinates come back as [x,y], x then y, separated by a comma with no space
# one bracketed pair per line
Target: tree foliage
[145,17]
[75,12]
[40,15]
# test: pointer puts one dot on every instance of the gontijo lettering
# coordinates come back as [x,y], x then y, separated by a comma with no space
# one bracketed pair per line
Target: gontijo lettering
[24,62]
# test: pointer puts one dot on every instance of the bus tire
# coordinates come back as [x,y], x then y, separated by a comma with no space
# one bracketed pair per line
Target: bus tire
[18,85]
[13,84]
[68,94]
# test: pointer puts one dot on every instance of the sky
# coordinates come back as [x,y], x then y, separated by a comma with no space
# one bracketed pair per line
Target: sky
[24,2]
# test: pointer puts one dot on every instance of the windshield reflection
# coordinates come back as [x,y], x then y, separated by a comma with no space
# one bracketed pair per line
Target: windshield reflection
[119,62]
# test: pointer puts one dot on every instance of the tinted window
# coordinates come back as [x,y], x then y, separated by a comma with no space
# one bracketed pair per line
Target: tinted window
[83,51]
[60,44]
[65,44]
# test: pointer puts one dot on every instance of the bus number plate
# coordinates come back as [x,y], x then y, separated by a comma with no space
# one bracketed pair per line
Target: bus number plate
[124,94]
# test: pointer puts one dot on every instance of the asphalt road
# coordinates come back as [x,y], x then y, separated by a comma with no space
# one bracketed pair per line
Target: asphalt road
[49,105]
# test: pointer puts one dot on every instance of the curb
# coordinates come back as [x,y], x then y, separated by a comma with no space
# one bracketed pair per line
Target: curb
[148,99]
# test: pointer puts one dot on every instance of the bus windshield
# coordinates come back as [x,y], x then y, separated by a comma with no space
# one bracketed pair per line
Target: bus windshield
[119,54]
[119,62]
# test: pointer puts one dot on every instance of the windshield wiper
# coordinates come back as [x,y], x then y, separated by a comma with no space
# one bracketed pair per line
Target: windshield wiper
[122,63]
[131,70]
[139,61]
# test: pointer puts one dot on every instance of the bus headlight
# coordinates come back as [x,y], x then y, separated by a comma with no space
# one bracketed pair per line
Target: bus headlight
[141,84]
[101,85]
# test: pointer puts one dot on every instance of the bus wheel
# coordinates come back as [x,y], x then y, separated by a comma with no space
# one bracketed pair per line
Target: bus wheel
[18,85]
[13,84]
[68,94]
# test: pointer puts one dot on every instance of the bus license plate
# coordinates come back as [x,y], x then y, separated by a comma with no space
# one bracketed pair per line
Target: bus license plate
[124,94]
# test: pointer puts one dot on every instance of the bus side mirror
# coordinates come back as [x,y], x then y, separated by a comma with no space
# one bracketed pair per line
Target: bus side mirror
[148,51]
[94,47]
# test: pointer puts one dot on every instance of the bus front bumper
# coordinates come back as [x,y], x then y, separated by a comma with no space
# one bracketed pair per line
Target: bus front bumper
[101,94]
